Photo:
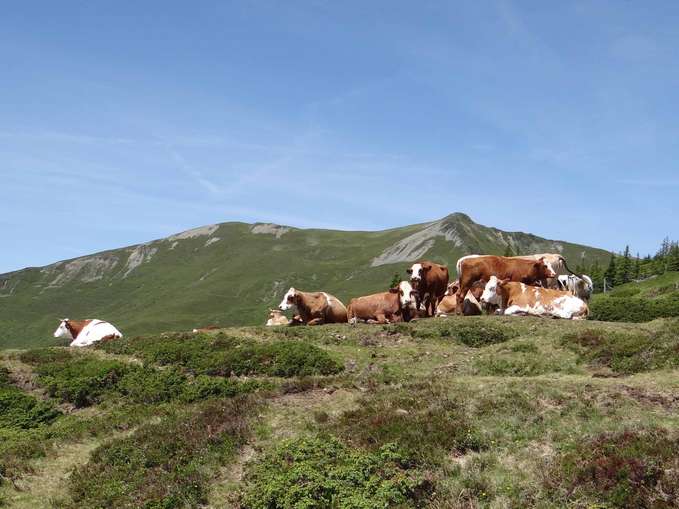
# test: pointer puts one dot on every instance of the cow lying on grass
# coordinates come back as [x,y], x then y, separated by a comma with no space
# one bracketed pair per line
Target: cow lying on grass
[86,332]
[581,287]
[520,299]
[314,308]
[470,306]
[396,305]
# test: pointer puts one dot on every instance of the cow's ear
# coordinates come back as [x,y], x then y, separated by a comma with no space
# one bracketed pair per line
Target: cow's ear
[426,267]
[409,271]
[505,281]
[394,290]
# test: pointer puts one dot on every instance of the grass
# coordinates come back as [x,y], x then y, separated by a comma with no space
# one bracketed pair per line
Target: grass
[462,412]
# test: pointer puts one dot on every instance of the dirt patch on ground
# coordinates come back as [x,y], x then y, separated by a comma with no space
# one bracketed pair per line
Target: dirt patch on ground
[668,401]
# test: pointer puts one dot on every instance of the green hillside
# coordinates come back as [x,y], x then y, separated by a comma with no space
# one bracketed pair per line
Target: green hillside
[231,273]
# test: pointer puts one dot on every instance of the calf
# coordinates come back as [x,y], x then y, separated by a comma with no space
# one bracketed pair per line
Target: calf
[470,307]
[429,280]
[482,268]
[276,317]
[520,299]
[392,306]
[314,308]
[86,332]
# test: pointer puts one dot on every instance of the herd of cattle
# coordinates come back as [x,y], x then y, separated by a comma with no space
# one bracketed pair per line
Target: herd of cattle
[538,285]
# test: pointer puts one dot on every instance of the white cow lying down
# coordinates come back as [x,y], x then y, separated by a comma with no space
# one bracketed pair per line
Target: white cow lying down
[86,332]
[521,299]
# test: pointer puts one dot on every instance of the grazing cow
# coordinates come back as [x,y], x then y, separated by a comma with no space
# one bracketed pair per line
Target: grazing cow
[86,332]
[520,299]
[471,305]
[276,317]
[386,307]
[481,268]
[315,308]
[581,287]
[429,280]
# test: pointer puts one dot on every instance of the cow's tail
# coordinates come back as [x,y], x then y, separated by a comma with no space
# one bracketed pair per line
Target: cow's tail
[569,269]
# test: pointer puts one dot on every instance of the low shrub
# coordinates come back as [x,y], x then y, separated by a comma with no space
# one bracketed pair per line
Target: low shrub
[21,410]
[623,469]
[481,334]
[612,308]
[626,352]
[163,465]
[323,472]
[421,418]
[529,364]
[223,355]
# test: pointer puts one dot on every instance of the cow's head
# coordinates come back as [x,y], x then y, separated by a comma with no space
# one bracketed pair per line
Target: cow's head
[417,272]
[289,300]
[274,313]
[453,288]
[543,270]
[406,294]
[494,291]
[63,331]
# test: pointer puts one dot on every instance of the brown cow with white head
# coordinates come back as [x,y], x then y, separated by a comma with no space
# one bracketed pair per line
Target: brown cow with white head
[482,268]
[430,281]
[396,305]
[314,308]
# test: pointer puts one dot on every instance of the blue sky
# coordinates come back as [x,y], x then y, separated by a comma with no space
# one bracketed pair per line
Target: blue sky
[121,122]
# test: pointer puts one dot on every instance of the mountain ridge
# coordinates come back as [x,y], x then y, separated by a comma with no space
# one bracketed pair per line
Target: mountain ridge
[230,273]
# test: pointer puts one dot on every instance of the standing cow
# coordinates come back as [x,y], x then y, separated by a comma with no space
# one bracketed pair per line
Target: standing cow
[482,268]
[385,307]
[315,308]
[520,299]
[430,281]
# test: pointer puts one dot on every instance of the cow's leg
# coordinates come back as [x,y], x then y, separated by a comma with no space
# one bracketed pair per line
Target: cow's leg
[381,318]
[315,321]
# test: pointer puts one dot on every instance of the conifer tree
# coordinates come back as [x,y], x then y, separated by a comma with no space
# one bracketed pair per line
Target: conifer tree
[609,274]
[623,269]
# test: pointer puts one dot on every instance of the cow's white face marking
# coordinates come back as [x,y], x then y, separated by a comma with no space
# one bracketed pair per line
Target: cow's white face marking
[490,294]
[288,301]
[405,293]
[416,273]
[62,331]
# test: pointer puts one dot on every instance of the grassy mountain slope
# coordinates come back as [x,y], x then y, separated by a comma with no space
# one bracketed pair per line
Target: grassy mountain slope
[231,273]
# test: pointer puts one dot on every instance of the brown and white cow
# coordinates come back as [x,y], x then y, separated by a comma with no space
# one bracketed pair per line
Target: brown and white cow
[520,299]
[555,262]
[396,305]
[430,281]
[86,332]
[315,308]
[276,317]
[482,268]
[580,286]
[471,305]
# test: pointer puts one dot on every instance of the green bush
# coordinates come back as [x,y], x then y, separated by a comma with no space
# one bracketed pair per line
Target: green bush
[481,334]
[163,465]
[20,410]
[323,472]
[421,418]
[618,470]
[624,352]
[633,309]
[223,355]
[529,364]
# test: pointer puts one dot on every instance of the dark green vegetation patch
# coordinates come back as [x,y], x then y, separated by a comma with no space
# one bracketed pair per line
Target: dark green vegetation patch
[19,410]
[167,464]
[324,472]
[84,379]
[628,352]
[621,470]
[617,308]
[225,355]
